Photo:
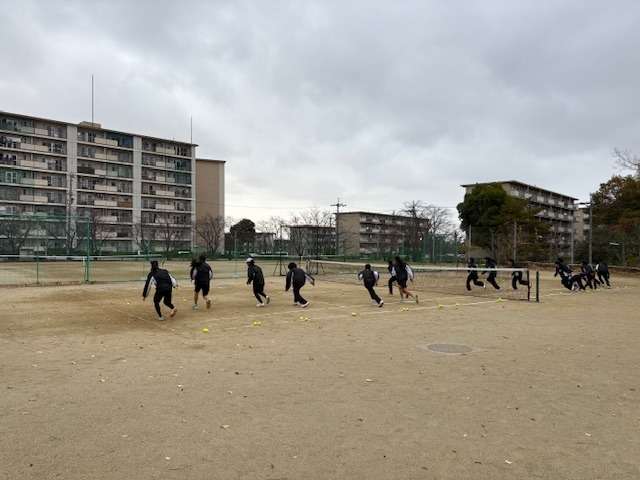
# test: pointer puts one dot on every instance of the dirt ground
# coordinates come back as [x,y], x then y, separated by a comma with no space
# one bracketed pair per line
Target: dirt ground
[93,387]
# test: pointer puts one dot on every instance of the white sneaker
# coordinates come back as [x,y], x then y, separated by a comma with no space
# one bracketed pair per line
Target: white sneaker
[268,299]
[381,303]
[296,304]
[194,307]
[305,305]
[161,319]
[259,304]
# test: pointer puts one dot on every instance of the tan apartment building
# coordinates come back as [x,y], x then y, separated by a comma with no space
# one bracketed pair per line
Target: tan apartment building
[210,193]
[556,209]
[137,192]
[312,240]
[367,233]
[581,224]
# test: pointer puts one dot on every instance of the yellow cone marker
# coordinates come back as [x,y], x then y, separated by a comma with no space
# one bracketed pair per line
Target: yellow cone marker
[257,323]
[205,330]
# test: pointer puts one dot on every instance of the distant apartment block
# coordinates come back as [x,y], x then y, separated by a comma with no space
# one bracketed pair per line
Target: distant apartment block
[210,193]
[312,240]
[582,224]
[556,209]
[365,233]
[138,191]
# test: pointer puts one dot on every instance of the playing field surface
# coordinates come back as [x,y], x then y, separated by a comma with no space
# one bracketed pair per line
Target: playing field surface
[94,387]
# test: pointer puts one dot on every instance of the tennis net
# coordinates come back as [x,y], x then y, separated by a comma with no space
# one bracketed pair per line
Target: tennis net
[514,283]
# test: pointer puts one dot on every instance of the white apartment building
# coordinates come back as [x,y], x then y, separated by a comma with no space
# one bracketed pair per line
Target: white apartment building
[138,191]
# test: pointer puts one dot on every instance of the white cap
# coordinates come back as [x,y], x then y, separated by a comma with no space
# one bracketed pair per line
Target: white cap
[249,260]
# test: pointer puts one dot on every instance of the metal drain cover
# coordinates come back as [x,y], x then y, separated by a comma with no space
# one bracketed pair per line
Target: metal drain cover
[446,348]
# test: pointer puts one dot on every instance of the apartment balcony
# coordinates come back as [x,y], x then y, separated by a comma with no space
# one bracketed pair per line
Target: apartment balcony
[106,141]
[34,198]
[165,193]
[36,182]
[106,188]
[164,206]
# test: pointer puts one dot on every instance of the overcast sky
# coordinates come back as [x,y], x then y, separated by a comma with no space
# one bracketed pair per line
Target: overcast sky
[375,102]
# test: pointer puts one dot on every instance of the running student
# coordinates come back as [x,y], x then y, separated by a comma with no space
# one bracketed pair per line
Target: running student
[393,278]
[568,280]
[602,269]
[490,264]
[201,275]
[473,274]
[589,275]
[403,274]
[296,278]
[255,276]
[164,284]
[516,276]
[370,279]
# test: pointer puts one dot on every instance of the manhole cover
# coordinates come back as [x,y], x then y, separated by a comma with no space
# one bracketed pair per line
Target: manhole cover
[446,348]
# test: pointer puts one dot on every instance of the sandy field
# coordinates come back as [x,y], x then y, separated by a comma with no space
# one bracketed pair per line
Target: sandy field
[94,387]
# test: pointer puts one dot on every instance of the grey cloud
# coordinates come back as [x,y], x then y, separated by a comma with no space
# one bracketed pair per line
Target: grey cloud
[375,102]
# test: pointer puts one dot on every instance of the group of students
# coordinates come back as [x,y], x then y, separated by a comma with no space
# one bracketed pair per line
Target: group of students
[201,275]
[587,277]
[490,268]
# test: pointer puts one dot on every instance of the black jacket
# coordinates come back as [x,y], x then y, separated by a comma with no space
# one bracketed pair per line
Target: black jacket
[161,279]
[201,273]
[254,274]
[297,277]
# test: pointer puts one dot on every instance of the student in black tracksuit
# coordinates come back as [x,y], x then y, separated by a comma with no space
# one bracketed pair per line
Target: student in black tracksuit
[296,278]
[370,278]
[490,264]
[164,284]
[403,274]
[473,274]
[255,276]
[589,275]
[201,275]
[392,279]
[568,280]
[602,269]
[516,276]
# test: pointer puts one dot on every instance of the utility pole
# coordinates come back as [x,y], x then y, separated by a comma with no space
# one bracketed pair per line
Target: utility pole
[590,233]
[515,240]
[338,205]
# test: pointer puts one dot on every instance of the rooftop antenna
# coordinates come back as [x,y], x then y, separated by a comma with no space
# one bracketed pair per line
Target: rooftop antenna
[92,98]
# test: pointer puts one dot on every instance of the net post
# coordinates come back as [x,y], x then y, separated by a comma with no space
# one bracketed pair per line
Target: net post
[528,286]
[537,286]
[37,271]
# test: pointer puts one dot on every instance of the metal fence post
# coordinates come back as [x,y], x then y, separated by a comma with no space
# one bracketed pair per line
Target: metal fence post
[537,286]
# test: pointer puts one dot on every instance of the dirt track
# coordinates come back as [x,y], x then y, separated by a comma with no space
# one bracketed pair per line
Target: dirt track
[95,388]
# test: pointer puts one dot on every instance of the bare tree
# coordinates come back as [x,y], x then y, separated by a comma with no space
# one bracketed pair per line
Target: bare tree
[417,225]
[143,237]
[168,234]
[210,229]
[439,223]
[15,232]
[627,160]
